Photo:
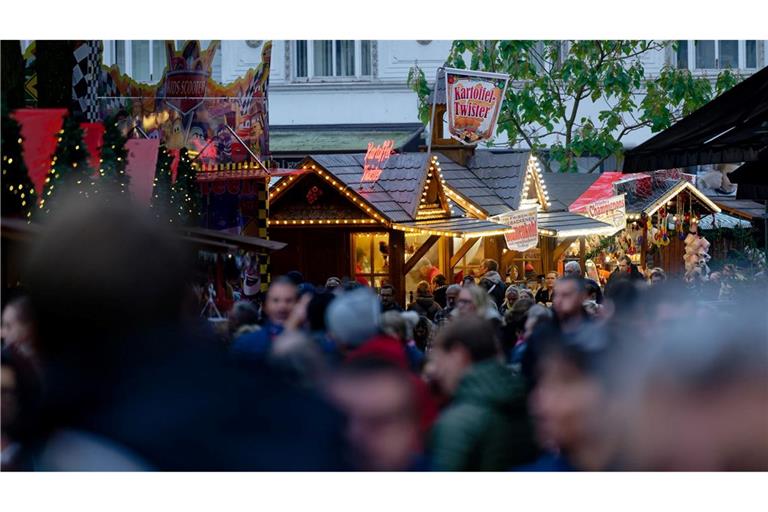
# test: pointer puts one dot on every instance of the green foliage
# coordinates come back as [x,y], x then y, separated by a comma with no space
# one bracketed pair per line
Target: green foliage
[113,179]
[186,198]
[70,174]
[552,83]
[161,189]
[18,197]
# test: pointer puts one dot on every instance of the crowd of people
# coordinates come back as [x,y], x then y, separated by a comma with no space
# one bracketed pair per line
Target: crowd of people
[107,365]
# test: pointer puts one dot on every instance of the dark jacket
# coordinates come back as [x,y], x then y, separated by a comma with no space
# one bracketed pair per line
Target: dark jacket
[439,295]
[392,306]
[543,296]
[497,287]
[486,426]
[425,306]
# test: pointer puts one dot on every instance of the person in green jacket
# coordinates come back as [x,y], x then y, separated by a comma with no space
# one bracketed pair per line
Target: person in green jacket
[485,427]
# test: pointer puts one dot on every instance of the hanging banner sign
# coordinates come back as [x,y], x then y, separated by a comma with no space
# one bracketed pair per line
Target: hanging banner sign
[473,99]
[526,229]
[375,159]
[611,210]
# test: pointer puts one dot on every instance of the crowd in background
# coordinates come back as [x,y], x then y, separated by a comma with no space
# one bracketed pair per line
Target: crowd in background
[107,364]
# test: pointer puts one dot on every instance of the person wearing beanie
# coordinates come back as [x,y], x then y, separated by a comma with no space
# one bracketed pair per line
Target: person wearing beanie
[353,317]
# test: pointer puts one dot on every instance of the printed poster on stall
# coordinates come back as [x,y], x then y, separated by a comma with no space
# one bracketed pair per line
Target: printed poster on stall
[526,230]
[473,99]
[611,210]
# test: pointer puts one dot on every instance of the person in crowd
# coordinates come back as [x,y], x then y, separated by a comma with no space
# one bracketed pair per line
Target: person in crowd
[21,391]
[422,333]
[427,271]
[544,295]
[332,284]
[281,299]
[537,316]
[299,359]
[568,304]
[468,281]
[525,292]
[242,318]
[625,269]
[439,287]
[425,304]
[296,277]
[18,327]
[387,297]
[383,417]
[353,318]
[594,293]
[396,325]
[514,327]
[316,309]
[451,294]
[128,385]
[492,281]
[572,268]
[657,276]
[574,414]
[475,301]
[511,294]
[485,427]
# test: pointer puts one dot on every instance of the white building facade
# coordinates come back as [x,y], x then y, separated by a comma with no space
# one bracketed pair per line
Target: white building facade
[343,82]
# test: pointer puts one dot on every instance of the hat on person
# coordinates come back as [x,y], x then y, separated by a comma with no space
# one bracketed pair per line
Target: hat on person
[354,317]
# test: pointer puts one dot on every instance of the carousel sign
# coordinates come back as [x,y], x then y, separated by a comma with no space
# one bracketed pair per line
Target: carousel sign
[473,99]
[526,230]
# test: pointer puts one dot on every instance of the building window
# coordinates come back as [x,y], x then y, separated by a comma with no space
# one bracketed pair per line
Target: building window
[370,261]
[716,55]
[145,60]
[336,59]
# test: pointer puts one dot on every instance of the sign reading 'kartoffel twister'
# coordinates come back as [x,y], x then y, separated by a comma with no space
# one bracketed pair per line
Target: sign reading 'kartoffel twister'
[473,99]
[526,230]
[374,160]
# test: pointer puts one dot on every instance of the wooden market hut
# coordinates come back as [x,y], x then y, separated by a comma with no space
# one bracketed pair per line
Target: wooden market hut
[378,232]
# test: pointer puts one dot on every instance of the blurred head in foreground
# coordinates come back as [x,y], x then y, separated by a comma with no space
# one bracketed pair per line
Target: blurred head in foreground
[697,397]
[383,420]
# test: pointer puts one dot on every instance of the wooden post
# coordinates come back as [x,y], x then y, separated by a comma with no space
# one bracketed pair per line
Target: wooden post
[560,249]
[582,255]
[397,264]
[644,245]
[420,252]
[466,246]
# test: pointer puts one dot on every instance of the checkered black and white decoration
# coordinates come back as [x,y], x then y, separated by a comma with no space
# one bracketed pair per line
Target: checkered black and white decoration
[85,79]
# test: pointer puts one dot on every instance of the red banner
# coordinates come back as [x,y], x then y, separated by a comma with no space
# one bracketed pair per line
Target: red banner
[142,160]
[39,128]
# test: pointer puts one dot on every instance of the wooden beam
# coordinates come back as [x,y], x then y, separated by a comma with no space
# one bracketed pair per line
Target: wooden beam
[582,255]
[396,264]
[561,248]
[462,251]
[425,247]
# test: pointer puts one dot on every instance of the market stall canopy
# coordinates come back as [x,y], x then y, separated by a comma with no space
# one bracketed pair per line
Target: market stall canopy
[722,220]
[251,243]
[743,208]
[566,187]
[566,224]
[466,227]
[352,138]
[665,191]
[601,188]
[492,182]
[731,128]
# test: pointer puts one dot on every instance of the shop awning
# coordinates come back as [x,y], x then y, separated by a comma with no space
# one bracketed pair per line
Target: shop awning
[729,129]
[456,227]
[743,208]
[567,224]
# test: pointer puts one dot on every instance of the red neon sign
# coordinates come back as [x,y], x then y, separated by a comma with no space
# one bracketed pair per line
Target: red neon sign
[374,160]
